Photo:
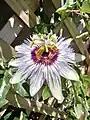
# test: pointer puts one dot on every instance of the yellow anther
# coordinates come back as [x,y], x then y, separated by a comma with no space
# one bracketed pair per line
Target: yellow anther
[40,51]
[53,47]
[31,44]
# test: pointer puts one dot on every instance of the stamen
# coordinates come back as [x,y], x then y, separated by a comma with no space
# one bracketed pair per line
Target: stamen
[40,51]
[39,55]
[31,44]
[53,47]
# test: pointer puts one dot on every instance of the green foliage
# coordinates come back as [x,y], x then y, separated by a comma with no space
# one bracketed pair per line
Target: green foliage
[46,93]
[20,90]
[3,102]
[86,6]
[78,110]
[7,116]
[4,89]
[68,5]
[4,84]
[42,28]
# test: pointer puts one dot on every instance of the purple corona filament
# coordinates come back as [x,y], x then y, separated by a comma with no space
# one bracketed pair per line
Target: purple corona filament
[47,58]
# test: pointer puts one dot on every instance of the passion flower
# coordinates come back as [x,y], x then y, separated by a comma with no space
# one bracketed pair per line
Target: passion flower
[45,58]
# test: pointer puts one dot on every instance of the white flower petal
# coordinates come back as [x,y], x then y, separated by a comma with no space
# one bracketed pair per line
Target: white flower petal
[22,47]
[16,78]
[23,72]
[65,59]
[35,70]
[28,71]
[79,57]
[54,84]
[72,57]
[14,63]
[54,70]
[67,72]
[63,43]
[21,61]
[60,40]
[36,82]
[45,71]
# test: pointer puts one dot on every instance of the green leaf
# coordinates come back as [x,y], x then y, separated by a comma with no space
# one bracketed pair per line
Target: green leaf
[42,28]
[4,84]
[7,116]
[68,3]
[4,88]
[46,93]
[16,118]
[26,86]
[3,102]
[88,101]
[78,110]
[85,77]
[63,8]
[86,6]
[1,71]
[23,116]
[7,76]
[20,90]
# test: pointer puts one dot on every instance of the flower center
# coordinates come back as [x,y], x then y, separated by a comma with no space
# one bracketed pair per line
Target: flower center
[39,55]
